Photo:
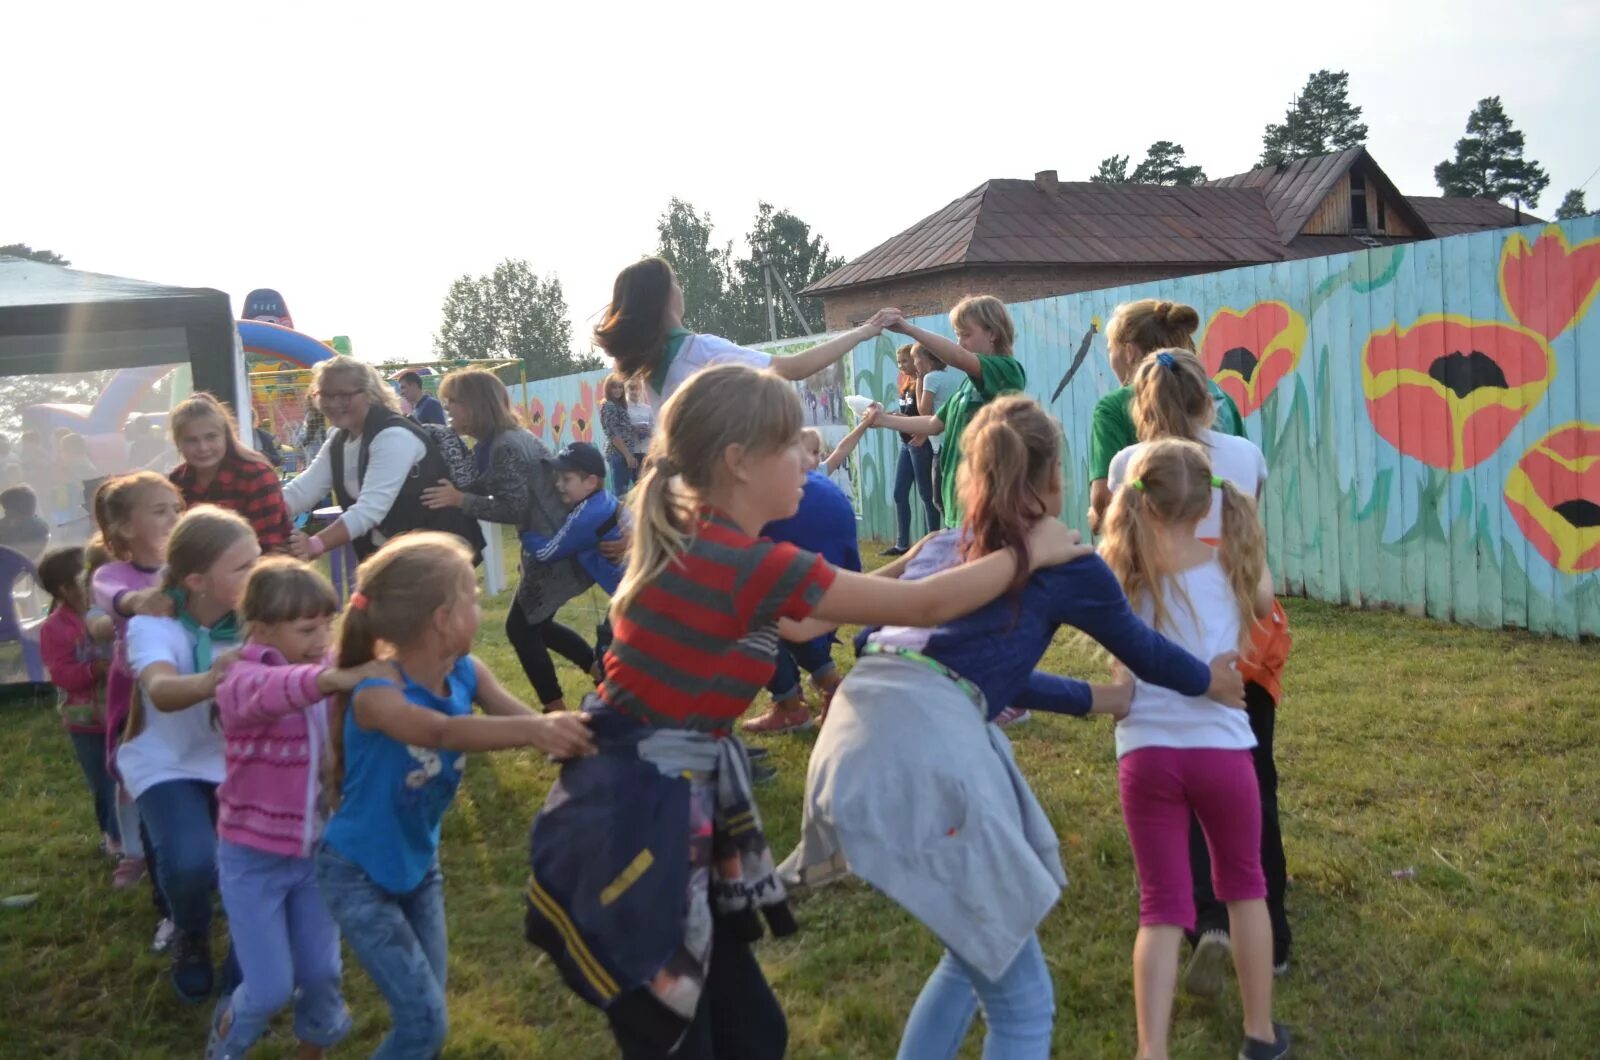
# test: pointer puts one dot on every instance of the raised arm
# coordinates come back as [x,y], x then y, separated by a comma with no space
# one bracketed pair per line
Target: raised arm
[923,425]
[848,443]
[808,363]
[947,351]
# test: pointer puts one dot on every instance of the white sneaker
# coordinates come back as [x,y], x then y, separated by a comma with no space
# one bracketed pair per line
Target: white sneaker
[1208,964]
[1012,716]
[165,931]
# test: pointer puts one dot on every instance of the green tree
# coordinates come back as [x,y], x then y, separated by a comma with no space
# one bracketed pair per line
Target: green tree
[1163,164]
[1319,121]
[22,250]
[1489,162]
[1572,206]
[704,269]
[785,241]
[1113,170]
[511,312]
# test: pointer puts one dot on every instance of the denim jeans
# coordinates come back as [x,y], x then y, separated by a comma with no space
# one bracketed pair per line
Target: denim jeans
[814,656]
[287,946]
[622,476]
[1019,1008]
[90,747]
[400,940]
[180,820]
[915,468]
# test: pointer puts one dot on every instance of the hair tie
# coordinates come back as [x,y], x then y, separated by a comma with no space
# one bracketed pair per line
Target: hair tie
[1137,484]
[1216,481]
[358,600]
[1167,361]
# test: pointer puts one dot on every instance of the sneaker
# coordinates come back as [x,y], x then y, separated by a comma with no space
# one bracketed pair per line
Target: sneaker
[1207,965]
[1277,1049]
[1280,968]
[214,1039]
[128,872]
[1012,716]
[111,848]
[164,933]
[894,550]
[192,974]
[756,754]
[779,720]
[761,773]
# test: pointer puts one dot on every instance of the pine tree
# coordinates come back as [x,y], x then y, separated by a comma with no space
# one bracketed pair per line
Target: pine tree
[1113,170]
[1489,162]
[1319,121]
[1572,206]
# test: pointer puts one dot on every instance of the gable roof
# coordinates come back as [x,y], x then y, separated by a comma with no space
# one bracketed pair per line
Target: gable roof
[1452,216]
[1294,190]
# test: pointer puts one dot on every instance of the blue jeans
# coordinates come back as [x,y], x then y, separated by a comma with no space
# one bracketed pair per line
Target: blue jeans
[1019,1008]
[814,656]
[400,940]
[622,476]
[180,818]
[287,946]
[90,747]
[915,467]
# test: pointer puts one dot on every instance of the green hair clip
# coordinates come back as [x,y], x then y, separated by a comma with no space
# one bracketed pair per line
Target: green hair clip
[1137,484]
[1216,481]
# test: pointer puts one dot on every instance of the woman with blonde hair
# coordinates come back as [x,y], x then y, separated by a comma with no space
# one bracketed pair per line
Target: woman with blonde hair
[375,462]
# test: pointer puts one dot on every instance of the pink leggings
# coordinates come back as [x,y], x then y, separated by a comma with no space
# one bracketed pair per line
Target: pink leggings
[1160,786]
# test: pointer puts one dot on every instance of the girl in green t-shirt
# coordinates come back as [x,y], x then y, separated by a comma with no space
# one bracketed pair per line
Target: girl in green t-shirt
[982,352]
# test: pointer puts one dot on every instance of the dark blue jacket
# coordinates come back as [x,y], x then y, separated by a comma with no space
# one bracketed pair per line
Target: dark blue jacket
[593,520]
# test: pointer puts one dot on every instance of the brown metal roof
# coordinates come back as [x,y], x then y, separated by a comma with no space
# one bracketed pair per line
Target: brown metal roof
[1452,216]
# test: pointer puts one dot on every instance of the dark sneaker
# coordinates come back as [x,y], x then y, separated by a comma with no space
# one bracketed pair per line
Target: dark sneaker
[755,754]
[1213,952]
[761,773]
[1277,1049]
[894,550]
[192,975]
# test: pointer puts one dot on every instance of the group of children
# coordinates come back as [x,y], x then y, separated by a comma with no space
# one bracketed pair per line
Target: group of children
[306,773]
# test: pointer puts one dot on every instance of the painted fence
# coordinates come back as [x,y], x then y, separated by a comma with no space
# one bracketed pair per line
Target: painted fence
[1430,414]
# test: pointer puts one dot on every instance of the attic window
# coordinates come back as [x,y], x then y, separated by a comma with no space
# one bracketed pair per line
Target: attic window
[1383,219]
[1358,203]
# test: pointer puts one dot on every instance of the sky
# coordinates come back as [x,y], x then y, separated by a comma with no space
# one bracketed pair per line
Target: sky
[357,157]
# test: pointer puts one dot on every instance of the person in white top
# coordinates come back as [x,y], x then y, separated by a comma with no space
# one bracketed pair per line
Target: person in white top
[1172,398]
[643,333]
[1180,755]
[351,393]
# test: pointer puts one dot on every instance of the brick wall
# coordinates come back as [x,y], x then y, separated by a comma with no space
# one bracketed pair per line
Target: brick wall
[938,292]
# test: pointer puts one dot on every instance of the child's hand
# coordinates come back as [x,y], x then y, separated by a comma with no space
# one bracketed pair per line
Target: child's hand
[1052,543]
[345,680]
[1113,699]
[102,628]
[561,736]
[617,551]
[154,602]
[99,668]
[1227,687]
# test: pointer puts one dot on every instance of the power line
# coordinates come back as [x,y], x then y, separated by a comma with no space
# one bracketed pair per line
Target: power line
[1585,184]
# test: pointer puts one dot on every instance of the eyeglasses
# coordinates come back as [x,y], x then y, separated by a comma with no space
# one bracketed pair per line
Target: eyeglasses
[336,397]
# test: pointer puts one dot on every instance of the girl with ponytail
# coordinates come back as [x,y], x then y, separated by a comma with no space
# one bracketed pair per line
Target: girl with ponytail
[397,757]
[1183,755]
[913,786]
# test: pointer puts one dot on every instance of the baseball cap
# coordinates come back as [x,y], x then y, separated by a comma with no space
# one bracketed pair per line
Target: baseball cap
[582,458]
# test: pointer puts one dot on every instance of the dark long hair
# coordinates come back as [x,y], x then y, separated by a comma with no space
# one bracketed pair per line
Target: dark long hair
[634,326]
[1008,453]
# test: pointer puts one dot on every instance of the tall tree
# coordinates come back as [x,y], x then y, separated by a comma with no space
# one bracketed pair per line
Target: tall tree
[1572,206]
[1113,170]
[786,242]
[511,312]
[1319,121]
[704,269]
[1163,164]
[22,250]
[1489,161]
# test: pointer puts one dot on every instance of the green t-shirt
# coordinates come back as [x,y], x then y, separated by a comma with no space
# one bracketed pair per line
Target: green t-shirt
[1112,428]
[996,375]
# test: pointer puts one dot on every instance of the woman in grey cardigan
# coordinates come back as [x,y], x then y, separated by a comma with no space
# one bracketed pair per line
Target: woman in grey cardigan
[516,485]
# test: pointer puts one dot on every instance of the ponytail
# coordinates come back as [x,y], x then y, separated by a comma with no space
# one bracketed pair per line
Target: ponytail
[660,533]
[357,647]
[1243,554]
[1135,554]
[1171,397]
[1009,451]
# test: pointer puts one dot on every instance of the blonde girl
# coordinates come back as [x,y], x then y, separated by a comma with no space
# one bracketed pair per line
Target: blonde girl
[399,746]
[219,469]
[1181,755]
[982,352]
[696,623]
[172,759]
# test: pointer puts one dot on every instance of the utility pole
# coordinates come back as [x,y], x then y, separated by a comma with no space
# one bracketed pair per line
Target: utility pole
[772,310]
[769,276]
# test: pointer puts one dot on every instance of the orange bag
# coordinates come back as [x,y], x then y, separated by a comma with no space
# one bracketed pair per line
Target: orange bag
[1270,643]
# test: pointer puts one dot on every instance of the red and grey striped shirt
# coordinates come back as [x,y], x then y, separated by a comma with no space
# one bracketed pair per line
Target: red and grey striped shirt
[246,486]
[697,645]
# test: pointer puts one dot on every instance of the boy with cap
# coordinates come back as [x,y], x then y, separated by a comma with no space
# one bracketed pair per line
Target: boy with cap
[581,481]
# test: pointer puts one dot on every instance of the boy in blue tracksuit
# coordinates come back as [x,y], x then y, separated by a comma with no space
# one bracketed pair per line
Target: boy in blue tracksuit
[581,481]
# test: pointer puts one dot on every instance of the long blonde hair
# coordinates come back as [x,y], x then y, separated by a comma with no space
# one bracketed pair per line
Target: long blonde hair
[1171,397]
[719,407]
[201,405]
[1008,453]
[987,311]
[372,384]
[1138,329]
[1170,483]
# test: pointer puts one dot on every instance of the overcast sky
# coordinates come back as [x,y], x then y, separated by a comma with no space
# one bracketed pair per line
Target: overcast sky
[357,159]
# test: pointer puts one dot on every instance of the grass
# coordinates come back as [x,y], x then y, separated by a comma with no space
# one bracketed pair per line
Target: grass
[1461,760]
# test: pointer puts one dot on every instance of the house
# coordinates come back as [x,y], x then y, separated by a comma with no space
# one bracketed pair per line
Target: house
[1026,239]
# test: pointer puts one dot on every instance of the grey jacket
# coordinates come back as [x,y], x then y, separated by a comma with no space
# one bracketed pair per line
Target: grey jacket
[520,488]
[913,791]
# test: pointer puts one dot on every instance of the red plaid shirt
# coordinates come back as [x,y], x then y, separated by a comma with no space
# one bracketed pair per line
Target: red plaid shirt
[252,489]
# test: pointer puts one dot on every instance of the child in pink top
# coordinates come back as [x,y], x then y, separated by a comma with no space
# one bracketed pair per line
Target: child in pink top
[271,704]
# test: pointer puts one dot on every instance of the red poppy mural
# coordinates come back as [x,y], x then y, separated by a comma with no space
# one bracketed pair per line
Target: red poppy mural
[583,414]
[1549,285]
[558,423]
[536,417]
[1448,390]
[1249,353]
[1554,495]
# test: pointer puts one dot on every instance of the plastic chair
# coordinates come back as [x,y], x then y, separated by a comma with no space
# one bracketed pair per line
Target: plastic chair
[13,565]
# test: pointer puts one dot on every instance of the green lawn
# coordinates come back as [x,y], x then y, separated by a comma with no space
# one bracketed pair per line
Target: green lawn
[1467,758]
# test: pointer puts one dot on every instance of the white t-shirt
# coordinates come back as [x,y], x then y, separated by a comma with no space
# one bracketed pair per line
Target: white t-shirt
[173,745]
[393,454]
[703,351]
[1161,717]
[1238,460]
[940,385]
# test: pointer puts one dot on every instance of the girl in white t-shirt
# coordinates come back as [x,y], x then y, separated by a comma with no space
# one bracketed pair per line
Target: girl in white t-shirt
[172,759]
[643,333]
[1180,755]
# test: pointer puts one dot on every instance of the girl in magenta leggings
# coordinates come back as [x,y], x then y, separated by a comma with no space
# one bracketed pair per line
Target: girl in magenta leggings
[1180,754]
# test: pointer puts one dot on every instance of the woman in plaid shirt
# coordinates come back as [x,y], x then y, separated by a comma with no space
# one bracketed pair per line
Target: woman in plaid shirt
[218,469]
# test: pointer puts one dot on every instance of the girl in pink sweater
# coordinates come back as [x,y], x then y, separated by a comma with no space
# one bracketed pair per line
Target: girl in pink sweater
[271,704]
